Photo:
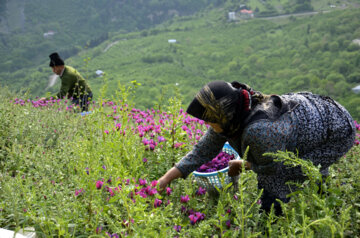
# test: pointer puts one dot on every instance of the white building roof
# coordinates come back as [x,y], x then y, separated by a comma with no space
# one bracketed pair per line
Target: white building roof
[356,89]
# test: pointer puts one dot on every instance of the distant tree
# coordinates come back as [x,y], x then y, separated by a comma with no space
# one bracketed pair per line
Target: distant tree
[341,66]
[335,77]
[354,78]
[334,46]
[3,4]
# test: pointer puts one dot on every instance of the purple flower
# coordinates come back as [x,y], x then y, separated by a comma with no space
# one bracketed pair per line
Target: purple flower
[153,183]
[168,191]
[200,215]
[111,191]
[236,197]
[193,219]
[78,192]
[145,160]
[98,229]
[142,181]
[106,132]
[152,191]
[99,184]
[112,235]
[177,228]
[200,191]
[184,199]
[183,209]
[228,223]
[157,202]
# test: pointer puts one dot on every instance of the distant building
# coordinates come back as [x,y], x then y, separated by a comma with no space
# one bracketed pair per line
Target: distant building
[244,13]
[356,89]
[172,41]
[232,16]
[49,34]
[99,73]
[356,41]
[242,6]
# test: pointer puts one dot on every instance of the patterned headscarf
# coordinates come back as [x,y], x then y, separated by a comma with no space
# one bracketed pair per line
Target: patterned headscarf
[224,103]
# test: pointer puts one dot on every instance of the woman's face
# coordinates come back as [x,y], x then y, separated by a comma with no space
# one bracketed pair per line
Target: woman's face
[215,126]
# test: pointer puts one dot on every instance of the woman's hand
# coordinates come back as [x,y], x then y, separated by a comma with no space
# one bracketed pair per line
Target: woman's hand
[235,167]
[170,175]
[163,183]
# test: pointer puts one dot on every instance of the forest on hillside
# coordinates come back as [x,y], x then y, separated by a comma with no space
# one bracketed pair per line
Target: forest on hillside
[315,53]
[75,25]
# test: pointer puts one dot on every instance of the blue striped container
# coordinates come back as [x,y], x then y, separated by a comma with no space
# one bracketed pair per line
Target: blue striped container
[212,179]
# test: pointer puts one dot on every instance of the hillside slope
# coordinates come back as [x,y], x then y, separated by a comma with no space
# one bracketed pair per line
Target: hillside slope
[314,53]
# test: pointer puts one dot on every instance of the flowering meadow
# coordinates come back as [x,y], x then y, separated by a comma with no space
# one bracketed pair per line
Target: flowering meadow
[95,175]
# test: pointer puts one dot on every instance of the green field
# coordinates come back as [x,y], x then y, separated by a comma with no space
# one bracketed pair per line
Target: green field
[67,175]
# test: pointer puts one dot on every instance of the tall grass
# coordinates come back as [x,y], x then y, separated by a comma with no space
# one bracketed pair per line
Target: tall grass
[69,175]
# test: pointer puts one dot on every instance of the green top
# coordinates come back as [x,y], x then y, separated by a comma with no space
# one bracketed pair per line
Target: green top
[72,84]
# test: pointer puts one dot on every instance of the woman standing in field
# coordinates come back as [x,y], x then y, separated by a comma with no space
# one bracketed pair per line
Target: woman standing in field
[316,127]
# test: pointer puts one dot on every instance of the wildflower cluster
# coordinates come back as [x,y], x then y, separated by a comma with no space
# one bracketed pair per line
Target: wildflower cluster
[357,138]
[150,192]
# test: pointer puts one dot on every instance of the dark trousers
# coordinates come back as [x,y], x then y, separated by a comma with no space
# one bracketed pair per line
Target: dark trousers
[83,101]
[267,200]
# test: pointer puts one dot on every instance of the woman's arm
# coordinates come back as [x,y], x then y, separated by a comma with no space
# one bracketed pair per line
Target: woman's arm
[205,150]
[169,176]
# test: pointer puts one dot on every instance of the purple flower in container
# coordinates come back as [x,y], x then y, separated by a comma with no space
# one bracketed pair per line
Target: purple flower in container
[184,199]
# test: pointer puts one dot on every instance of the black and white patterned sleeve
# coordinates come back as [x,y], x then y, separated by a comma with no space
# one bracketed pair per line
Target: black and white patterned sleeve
[205,150]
